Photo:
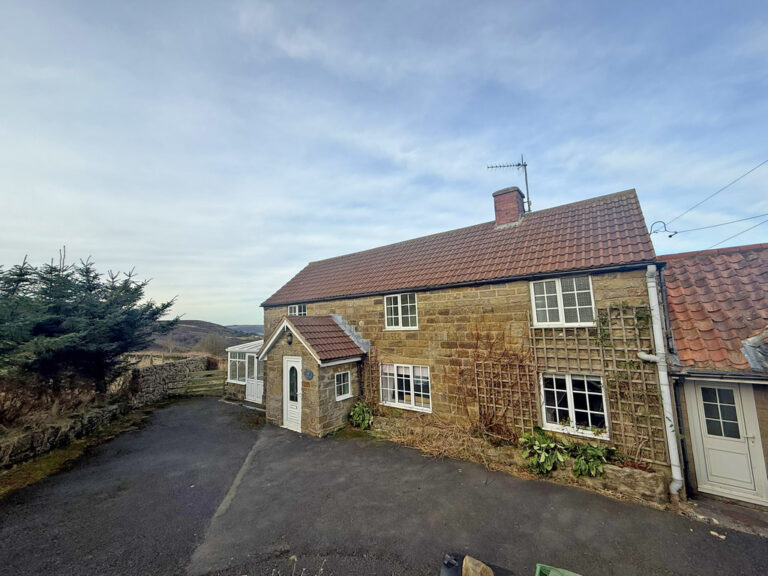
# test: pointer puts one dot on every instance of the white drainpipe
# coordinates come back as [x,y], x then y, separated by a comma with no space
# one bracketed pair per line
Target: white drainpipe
[660,359]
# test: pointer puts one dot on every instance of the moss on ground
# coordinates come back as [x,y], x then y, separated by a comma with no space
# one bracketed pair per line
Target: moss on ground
[64,458]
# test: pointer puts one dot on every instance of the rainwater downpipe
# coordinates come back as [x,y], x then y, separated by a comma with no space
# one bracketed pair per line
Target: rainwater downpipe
[660,359]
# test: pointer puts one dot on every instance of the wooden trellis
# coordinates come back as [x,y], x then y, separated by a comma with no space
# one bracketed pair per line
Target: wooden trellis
[634,411]
[506,396]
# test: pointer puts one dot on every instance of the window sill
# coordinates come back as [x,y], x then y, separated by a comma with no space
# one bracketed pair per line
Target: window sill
[235,382]
[407,407]
[345,397]
[581,432]
[573,325]
[400,329]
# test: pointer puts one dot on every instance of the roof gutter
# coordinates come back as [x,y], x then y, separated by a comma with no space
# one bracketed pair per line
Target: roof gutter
[708,375]
[431,288]
[660,359]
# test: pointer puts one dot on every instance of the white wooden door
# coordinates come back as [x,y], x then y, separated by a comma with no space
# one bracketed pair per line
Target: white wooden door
[292,393]
[252,392]
[726,439]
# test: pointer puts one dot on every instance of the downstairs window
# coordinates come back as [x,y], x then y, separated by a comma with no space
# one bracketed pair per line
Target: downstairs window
[406,386]
[574,404]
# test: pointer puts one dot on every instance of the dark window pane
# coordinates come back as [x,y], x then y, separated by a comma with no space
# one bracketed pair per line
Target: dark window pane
[594,386]
[709,395]
[579,401]
[549,398]
[726,395]
[564,418]
[578,383]
[727,412]
[560,383]
[562,400]
[598,420]
[551,415]
[731,430]
[710,411]
[582,419]
[713,428]
[595,403]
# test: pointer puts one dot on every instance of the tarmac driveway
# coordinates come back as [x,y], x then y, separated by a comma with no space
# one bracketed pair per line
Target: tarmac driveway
[200,491]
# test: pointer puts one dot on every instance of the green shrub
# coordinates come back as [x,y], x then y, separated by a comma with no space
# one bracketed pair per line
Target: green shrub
[361,416]
[588,459]
[544,452]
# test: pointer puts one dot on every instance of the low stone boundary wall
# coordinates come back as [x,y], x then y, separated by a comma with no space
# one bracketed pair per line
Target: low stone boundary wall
[234,392]
[140,387]
[649,487]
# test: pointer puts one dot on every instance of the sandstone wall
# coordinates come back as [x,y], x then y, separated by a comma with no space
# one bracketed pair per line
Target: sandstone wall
[450,322]
[333,413]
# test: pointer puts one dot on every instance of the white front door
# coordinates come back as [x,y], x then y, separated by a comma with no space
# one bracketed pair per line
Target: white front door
[292,393]
[726,440]
[254,387]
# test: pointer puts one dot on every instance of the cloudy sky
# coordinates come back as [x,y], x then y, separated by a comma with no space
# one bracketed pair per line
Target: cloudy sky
[218,147]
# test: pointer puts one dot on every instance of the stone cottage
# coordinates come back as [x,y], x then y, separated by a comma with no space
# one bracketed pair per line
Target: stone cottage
[547,318]
[718,313]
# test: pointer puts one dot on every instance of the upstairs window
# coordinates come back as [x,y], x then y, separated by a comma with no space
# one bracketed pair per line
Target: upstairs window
[297,310]
[400,312]
[563,302]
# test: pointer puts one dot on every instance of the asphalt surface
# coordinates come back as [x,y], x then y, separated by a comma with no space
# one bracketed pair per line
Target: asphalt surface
[138,504]
[200,491]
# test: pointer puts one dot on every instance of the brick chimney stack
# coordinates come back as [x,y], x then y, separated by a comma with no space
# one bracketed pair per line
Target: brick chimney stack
[509,204]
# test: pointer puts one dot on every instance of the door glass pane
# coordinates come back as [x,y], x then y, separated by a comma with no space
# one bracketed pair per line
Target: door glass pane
[731,430]
[251,367]
[293,384]
[720,412]
[713,428]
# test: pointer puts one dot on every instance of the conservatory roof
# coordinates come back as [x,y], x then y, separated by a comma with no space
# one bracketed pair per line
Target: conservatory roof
[254,346]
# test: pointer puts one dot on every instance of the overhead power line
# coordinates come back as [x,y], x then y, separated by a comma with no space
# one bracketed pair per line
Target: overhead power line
[713,225]
[738,234]
[747,173]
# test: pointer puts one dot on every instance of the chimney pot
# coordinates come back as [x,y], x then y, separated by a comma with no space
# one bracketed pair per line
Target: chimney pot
[509,204]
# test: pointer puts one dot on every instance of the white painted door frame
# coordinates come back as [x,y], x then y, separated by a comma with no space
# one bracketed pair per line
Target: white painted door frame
[292,408]
[742,457]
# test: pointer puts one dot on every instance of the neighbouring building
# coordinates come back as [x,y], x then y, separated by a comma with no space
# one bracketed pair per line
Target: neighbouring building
[533,319]
[718,314]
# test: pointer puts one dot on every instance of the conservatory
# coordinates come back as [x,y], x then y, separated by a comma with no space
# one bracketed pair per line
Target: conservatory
[245,369]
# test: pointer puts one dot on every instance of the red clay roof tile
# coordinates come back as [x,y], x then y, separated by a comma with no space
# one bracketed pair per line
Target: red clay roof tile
[597,233]
[326,337]
[731,285]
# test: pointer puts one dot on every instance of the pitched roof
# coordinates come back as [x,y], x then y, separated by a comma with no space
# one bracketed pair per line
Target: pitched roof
[600,232]
[326,339]
[717,299]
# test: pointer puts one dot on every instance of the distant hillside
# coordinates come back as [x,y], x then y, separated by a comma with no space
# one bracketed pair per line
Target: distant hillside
[189,335]
[248,328]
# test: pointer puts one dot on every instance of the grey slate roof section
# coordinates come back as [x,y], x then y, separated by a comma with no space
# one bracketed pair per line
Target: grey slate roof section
[755,350]
[365,345]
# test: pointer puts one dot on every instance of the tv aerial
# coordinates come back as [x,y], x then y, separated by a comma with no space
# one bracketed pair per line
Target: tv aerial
[522,165]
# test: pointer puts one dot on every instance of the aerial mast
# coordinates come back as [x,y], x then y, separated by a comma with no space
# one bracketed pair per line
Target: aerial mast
[522,165]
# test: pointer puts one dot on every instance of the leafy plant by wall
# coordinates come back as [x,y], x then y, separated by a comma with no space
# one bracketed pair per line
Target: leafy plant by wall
[361,416]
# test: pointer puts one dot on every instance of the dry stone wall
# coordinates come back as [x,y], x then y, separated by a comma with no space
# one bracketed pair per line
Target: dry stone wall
[142,386]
